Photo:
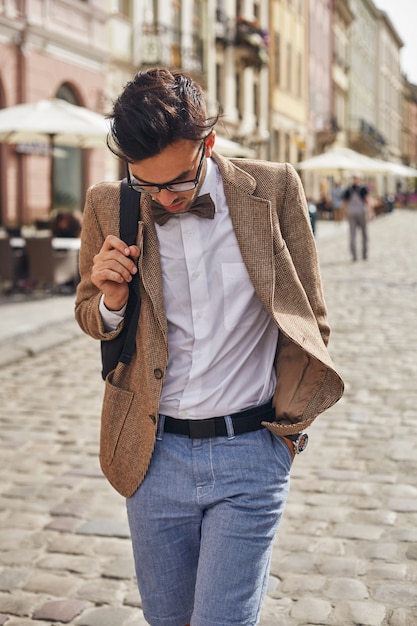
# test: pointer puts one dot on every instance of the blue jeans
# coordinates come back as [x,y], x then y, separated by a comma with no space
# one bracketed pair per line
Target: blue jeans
[203,524]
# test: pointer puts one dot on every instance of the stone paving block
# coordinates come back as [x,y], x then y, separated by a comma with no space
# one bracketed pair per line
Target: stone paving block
[276,611]
[11,354]
[65,543]
[346,589]
[19,603]
[297,585]
[386,571]
[340,566]
[405,534]
[60,610]
[106,616]
[327,545]
[29,520]
[13,578]
[398,594]
[389,552]
[132,597]
[105,527]
[53,584]
[69,563]
[102,591]
[311,609]
[14,537]
[411,552]
[386,518]
[358,531]
[63,524]
[403,505]
[42,341]
[403,617]
[70,509]
[140,621]
[297,563]
[112,546]
[119,569]
[364,613]
[21,621]
[17,557]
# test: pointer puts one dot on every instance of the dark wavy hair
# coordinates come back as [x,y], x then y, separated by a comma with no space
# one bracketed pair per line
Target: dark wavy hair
[157,108]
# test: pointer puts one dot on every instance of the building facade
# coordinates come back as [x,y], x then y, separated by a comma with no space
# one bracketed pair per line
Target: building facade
[290,78]
[239,72]
[342,20]
[288,84]
[322,129]
[363,134]
[42,57]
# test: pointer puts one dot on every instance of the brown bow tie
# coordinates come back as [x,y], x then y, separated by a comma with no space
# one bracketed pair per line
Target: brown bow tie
[203,206]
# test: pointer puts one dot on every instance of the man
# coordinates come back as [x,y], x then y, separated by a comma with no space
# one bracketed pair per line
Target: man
[357,211]
[200,430]
[337,201]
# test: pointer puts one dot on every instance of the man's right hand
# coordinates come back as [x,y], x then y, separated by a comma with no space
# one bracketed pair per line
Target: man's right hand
[112,271]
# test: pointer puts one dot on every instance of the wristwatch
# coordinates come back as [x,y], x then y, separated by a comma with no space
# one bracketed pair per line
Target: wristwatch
[299,442]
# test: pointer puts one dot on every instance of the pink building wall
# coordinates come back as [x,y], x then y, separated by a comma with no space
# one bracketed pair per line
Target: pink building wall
[320,63]
[45,51]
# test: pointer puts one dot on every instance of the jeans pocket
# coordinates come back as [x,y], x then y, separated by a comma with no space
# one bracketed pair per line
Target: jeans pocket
[281,448]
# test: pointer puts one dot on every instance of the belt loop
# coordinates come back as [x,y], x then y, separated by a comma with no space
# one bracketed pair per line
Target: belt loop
[161,426]
[229,427]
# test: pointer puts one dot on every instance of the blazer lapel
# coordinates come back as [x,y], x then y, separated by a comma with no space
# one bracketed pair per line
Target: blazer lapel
[151,265]
[252,221]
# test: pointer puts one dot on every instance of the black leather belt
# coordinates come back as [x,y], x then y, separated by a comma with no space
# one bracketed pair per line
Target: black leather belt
[243,422]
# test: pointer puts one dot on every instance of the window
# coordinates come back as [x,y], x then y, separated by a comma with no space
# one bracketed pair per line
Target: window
[299,75]
[289,67]
[277,59]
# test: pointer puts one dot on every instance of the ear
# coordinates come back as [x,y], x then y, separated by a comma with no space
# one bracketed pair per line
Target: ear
[210,141]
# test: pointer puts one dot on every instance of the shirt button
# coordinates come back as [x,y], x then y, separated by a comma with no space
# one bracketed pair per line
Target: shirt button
[196,274]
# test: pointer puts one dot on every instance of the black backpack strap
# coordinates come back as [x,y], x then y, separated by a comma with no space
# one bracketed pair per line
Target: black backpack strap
[129,217]
[129,213]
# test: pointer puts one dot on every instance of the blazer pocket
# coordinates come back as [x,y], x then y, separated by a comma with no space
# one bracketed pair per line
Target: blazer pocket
[116,406]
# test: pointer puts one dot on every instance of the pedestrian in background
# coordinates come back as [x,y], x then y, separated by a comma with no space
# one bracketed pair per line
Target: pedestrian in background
[356,205]
[200,430]
[337,201]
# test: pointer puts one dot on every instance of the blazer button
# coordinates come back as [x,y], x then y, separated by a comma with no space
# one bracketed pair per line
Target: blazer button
[158,373]
[153,419]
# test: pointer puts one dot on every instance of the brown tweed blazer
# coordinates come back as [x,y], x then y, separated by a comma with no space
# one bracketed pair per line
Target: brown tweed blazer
[270,218]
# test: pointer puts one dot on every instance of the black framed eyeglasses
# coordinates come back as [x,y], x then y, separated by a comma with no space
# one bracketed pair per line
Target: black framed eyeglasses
[181,185]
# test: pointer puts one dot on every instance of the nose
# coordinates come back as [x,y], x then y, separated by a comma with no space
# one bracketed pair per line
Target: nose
[166,197]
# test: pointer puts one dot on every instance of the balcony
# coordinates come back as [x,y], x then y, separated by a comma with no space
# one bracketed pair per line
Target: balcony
[365,138]
[249,39]
[161,45]
[327,135]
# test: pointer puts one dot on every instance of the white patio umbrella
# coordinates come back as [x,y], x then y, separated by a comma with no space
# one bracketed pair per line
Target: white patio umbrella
[399,169]
[229,148]
[55,122]
[52,121]
[339,160]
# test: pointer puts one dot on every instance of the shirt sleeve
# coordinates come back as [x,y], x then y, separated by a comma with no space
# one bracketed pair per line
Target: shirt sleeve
[111,319]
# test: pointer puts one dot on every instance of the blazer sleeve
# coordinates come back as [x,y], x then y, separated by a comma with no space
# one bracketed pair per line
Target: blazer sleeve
[99,220]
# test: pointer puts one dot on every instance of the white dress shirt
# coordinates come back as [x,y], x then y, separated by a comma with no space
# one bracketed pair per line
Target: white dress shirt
[221,340]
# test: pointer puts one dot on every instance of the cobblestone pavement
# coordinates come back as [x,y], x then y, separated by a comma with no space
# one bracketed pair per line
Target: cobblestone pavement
[346,552]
